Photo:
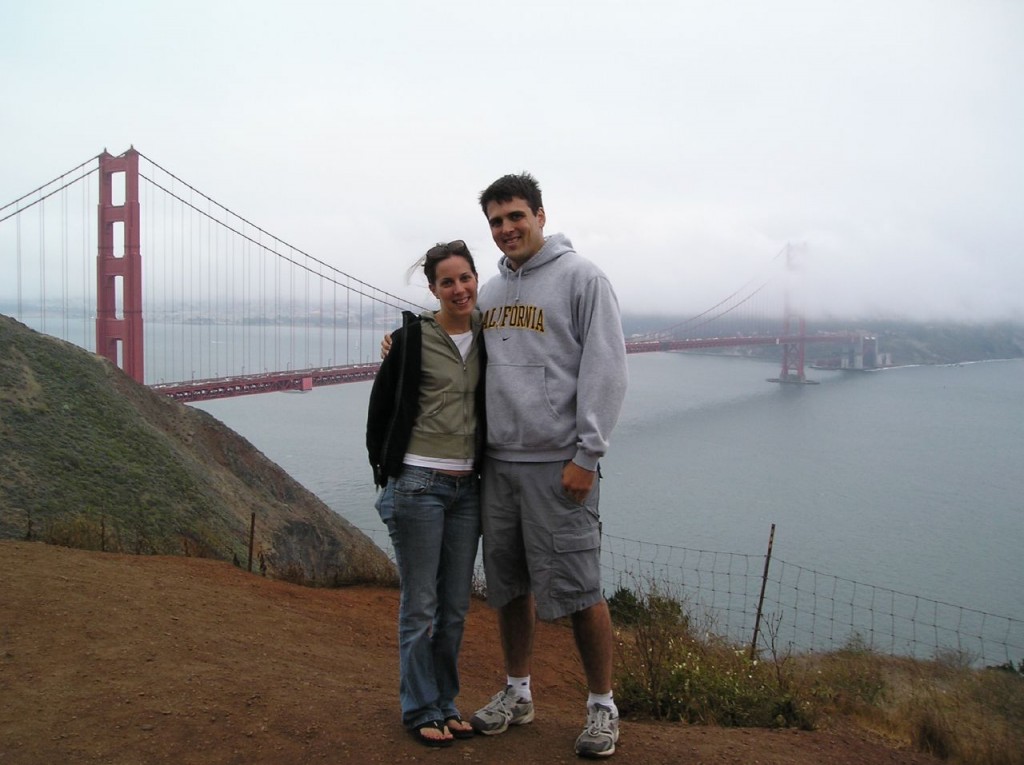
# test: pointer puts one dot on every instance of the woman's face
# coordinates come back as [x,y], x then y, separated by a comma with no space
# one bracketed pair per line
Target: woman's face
[455,286]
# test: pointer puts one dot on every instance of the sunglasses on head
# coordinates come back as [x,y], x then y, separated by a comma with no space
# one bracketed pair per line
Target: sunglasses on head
[442,250]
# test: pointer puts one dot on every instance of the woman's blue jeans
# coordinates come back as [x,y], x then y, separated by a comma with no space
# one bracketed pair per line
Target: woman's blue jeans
[433,520]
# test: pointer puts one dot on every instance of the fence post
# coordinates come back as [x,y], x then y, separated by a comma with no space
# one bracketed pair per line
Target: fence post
[252,532]
[760,598]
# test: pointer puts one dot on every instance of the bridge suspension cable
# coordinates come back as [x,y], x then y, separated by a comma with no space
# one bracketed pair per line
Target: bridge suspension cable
[374,291]
[230,298]
[59,179]
[713,313]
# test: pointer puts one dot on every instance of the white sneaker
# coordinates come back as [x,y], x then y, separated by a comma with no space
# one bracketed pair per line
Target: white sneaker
[504,709]
[598,739]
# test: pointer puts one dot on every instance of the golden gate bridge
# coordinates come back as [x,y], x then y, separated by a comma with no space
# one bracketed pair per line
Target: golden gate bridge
[124,258]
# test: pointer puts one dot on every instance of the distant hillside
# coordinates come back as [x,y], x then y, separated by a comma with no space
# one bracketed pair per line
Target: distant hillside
[907,342]
[943,342]
[89,458]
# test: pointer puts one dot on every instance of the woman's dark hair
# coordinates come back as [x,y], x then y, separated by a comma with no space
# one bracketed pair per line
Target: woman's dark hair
[440,252]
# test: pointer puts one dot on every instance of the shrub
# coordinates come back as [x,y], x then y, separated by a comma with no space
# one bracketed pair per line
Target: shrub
[670,670]
[625,607]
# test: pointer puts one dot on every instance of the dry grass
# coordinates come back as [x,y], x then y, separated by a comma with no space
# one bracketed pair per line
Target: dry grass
[668,669]
[949,710]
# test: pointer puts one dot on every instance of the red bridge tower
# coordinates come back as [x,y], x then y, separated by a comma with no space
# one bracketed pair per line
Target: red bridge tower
[119,334]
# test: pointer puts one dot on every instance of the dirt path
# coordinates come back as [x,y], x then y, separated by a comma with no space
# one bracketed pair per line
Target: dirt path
[124,659]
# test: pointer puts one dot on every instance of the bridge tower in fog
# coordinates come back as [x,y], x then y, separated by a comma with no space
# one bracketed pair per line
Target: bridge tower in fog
[119,274]
[794,330]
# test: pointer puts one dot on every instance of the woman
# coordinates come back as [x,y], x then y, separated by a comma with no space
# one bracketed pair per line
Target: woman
[425,435]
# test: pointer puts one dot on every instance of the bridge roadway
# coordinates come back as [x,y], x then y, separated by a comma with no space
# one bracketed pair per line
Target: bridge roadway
[268,382]
[651,346]
[307,379]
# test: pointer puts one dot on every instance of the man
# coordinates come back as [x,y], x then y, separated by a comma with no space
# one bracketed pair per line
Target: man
[556,379]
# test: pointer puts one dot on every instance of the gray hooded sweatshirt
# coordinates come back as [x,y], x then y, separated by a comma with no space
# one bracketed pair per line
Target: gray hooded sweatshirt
[556,358]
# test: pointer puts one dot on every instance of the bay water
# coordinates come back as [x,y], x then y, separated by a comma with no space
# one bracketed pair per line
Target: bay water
[910,478]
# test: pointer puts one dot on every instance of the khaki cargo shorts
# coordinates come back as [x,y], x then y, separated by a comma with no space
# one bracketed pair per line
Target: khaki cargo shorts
[537,539]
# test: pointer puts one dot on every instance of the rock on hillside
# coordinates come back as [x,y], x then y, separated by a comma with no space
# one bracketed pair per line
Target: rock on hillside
[89,458]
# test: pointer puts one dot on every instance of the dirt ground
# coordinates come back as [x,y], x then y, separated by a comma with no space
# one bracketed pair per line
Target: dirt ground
[124,659]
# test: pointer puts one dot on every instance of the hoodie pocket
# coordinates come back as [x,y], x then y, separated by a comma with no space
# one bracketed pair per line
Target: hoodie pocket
[519,411]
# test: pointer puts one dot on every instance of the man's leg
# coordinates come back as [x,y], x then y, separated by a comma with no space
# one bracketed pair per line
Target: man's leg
[516,620]
[505,564]
[592,628]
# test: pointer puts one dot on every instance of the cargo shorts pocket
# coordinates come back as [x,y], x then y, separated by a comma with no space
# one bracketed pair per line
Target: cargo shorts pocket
[576,562]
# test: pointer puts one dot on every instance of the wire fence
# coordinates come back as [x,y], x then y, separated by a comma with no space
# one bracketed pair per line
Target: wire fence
[806,610]
[802,610]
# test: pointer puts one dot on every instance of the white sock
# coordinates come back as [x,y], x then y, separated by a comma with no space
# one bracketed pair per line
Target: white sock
[522,686]
[605,700]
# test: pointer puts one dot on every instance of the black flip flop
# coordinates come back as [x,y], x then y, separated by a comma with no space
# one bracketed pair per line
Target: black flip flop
[417,733]
[458,733]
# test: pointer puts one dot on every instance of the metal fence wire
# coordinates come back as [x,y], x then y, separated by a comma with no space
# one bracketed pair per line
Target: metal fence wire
[802,610]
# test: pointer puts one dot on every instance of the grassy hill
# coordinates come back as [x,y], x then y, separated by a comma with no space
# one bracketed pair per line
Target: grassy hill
[89,458]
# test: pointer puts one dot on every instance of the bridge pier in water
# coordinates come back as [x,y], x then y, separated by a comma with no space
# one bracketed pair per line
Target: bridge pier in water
[793,355]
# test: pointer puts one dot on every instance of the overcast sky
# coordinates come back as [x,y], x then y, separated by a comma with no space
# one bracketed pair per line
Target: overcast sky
[679,144]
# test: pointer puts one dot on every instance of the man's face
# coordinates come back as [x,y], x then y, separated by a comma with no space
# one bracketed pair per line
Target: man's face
[518,233]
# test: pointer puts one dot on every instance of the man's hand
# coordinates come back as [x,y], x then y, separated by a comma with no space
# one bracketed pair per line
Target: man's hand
[385,346]
[577,482]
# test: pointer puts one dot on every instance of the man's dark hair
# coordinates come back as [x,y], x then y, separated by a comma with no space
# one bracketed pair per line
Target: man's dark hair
[508,187]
